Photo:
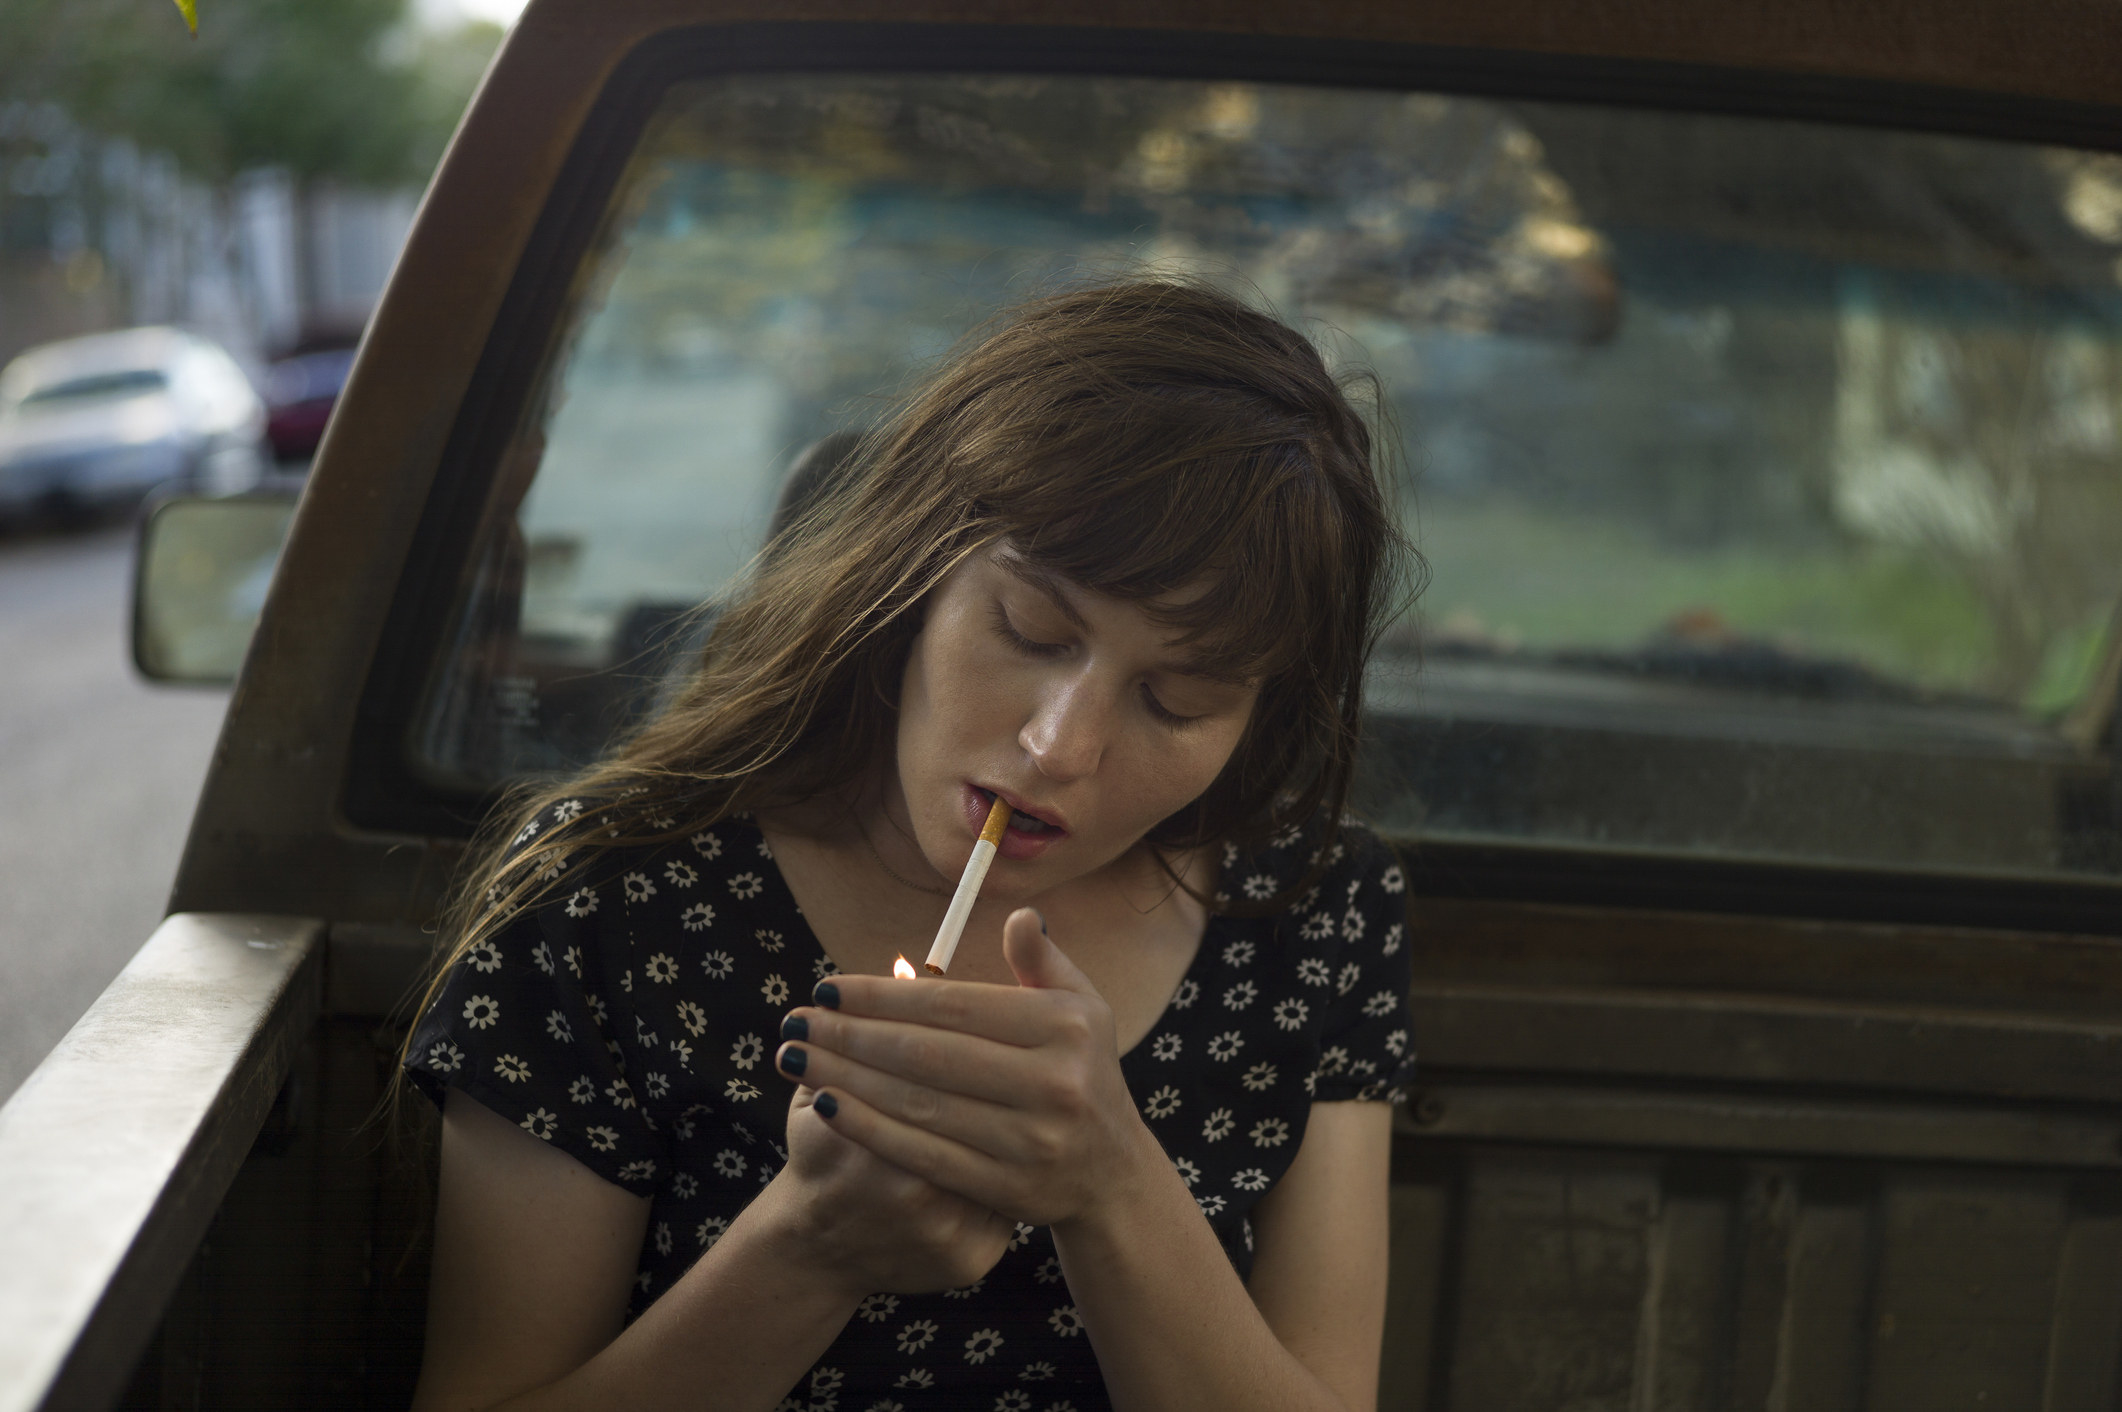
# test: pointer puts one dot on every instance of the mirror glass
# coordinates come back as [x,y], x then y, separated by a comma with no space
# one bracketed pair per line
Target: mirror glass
[204,567]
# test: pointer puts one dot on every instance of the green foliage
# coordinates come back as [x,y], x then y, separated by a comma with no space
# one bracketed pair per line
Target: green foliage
[190,12]
[1514,573]
[340,88]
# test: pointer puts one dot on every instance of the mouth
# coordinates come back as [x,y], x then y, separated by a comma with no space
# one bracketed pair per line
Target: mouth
[1023,822]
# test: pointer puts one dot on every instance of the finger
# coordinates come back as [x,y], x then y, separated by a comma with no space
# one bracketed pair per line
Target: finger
[1000,1132]
[1037,963]
[935,1159]
[941,1059]
[1004,1013]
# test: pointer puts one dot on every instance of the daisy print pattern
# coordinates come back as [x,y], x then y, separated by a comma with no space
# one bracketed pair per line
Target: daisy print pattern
[627,1017]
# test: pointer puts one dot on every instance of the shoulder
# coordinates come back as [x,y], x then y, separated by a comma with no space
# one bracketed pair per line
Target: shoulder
[1313,869]
[1367,869]
[580,849]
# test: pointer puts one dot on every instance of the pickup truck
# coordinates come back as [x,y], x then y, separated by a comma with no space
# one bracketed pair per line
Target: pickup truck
[1758,373]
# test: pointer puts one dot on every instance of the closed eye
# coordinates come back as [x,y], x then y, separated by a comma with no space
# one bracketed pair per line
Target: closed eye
[1161,713]
[1007,631]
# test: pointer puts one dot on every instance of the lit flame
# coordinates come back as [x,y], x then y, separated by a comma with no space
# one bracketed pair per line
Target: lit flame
[903,971]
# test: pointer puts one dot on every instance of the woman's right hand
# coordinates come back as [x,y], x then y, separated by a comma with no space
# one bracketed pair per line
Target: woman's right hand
[869,1226]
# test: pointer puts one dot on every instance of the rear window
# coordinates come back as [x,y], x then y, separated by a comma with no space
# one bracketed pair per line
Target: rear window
[1769,473]
[95,385]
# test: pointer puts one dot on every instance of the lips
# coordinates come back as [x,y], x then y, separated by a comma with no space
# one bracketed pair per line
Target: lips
[1031,832]
[1021,810]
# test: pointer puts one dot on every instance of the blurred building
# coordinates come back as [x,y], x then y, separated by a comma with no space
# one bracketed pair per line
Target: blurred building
[96,233]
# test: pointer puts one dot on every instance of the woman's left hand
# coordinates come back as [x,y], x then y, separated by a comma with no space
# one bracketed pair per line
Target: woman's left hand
[1009,1096]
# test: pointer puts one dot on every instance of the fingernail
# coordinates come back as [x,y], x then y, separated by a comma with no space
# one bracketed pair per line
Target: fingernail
[794,1061]
[795,1027]
[826,994]
[825,1105]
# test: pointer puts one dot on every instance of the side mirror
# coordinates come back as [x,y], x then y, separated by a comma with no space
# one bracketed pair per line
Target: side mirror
[200,575]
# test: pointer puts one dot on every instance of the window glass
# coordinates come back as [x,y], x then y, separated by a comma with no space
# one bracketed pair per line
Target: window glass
[1770,473]
[121,384]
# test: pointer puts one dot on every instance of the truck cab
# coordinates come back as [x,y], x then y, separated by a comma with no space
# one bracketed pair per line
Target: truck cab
[1753,755]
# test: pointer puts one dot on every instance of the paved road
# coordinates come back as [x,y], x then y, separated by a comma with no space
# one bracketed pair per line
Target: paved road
[98,772]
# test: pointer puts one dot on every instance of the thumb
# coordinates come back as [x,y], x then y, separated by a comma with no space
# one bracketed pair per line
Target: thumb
[1037,963]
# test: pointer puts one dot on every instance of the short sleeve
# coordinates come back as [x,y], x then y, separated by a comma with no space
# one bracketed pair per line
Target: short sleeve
[524,1024]
[1366,1045]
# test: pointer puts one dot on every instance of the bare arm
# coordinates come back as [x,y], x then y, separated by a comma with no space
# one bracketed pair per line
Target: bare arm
[535,1254]
[505,1314]
[1175,1329]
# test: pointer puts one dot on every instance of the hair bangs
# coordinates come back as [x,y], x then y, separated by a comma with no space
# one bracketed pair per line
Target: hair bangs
[1235,540]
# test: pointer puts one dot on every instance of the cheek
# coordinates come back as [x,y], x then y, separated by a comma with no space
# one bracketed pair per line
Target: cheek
[1178,769]
[943,696]
[916,701]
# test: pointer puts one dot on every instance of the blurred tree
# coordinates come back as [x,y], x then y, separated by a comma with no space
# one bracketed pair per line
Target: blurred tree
[327,88]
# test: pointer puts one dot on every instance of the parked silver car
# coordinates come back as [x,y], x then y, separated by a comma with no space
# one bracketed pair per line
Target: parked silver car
[94,422]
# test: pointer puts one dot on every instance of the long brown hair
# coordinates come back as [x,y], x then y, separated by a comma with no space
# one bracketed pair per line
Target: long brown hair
[1140,439]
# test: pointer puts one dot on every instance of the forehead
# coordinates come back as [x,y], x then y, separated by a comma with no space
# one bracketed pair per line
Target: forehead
[1189,649]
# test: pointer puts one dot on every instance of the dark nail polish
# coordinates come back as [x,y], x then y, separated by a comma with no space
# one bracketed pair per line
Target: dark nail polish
[826,994]
[794,1061]
[825,1105]
[795,1027]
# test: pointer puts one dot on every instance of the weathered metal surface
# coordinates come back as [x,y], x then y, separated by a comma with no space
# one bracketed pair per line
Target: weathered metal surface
[1676,1119]
[1595,948]
[1767,1040]
[117,1151]
[308,1289]
[375,971]
[1619,1281]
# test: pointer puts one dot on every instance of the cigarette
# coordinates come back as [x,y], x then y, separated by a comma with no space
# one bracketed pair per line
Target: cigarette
[961,901]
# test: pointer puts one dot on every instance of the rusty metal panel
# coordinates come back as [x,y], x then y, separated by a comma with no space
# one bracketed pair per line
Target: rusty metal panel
[1682,1118]
[2085,1337]
[1640,1281]
[1421,1245]
[1677,1342]
[1967,1285]
[1554,1267]
[308,1290]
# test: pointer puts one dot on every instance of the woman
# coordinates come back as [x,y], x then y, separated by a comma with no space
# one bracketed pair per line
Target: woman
[1121,565]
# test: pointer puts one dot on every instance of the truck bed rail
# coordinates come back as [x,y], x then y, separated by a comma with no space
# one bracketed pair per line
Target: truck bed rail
[116,1152]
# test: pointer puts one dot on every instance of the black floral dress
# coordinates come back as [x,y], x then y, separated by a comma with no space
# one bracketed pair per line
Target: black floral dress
[631,1019]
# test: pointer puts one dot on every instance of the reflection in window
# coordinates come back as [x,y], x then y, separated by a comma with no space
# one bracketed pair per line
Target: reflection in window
[1770,473]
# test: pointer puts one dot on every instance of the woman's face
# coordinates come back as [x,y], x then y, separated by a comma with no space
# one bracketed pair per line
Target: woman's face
[1078,709]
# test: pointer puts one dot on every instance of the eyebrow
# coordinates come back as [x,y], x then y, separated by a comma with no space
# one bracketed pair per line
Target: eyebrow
[1048,583]
[1052,585]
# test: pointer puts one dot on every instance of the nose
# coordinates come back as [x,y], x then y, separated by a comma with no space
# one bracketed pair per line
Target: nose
[1066,733]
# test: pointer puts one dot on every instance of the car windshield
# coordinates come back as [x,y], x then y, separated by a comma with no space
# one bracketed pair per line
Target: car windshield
[123,383]
[1769,473]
